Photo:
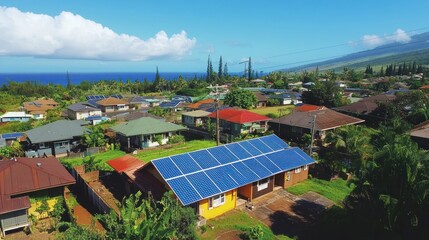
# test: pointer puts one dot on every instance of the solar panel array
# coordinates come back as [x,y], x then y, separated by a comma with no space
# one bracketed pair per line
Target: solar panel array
[204,173]
[11,135]
[170,104]
[99,97]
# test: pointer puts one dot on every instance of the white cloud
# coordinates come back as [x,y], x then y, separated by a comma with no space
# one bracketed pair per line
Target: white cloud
[372,41]
[71,36]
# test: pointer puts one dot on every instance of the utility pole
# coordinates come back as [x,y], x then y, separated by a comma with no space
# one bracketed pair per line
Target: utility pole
[217,90]
[245,67]
[312,134]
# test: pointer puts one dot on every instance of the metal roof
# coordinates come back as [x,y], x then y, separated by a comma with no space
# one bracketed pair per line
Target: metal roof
[239,116]
[125,163]
[82,107]
[11,135]
[146,126]
[56,131]
[205,173]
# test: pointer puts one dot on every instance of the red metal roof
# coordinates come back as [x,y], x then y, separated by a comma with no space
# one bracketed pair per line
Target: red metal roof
[24,175]
[239,116]
[199,103]
[308,107]
[125,163]
[13,204]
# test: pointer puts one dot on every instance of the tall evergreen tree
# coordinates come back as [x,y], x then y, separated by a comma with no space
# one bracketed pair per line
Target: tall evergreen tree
[225,71]
[208,70]
[220,72]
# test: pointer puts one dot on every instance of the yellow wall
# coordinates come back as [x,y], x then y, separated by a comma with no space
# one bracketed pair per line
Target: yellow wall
[230,203]
[33,209]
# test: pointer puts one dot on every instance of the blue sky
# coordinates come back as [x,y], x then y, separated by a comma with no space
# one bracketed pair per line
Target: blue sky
[178,36]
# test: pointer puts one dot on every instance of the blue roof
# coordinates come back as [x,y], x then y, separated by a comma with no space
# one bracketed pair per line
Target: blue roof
[12,135]
[208,172]
[92,118]
[171,104]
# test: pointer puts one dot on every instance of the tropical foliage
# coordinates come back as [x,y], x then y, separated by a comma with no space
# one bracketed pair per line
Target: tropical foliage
[240,98]
[94,137]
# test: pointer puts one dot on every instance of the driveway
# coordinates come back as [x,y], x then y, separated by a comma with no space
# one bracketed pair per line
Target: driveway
[288,214]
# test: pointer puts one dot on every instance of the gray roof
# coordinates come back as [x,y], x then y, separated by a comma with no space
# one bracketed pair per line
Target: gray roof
[82,107]
[197,113]
[56,131]
[146,126]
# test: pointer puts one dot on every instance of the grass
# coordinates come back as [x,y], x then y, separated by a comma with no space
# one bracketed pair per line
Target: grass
[335,190]
[273,111]
[236,220]
[149,155]
[100,158]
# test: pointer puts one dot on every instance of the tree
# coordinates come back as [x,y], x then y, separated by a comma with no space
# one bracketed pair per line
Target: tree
[95,137]
[220,72]
[240,98]
[249,70]
[225,71]
[325,93]
[147,219]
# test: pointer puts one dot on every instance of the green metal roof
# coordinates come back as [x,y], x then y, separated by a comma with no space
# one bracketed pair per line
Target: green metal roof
[146,126]
[56,131]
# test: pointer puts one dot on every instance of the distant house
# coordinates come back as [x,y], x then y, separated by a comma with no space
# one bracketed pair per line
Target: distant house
[7,139]
[214,180]
[153,102]
[143,132]
[80,111]
[295,125]
[420,134]
[261,100]
[173,105]
[15,116]
[138,102]
[112,104]
[54,139]
[197,118]
[38,108]
[287,98]
[135,115]
[23,178]
[206,103]
[364,108]
[238,121]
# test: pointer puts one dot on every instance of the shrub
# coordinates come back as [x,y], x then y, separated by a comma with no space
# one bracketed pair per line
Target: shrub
[176,139]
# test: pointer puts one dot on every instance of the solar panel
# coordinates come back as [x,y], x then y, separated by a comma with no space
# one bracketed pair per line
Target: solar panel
[286,159]
[184,190]
[307,159]
[12,135]
[238,151]
[223,178]
[257,168]
[222,154]
[246,172]
[204,159]
[268,164]
[249,148]
[185,163]
[202,183]
[167,168]
[260,145]
[274,142]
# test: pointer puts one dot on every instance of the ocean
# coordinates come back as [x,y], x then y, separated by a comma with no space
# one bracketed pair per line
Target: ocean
[76,78]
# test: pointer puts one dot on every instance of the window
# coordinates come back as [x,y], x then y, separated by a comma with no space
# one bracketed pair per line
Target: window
[305,167]
[263,184]
[298,170]
[288,176]
[41,145]
[216,201]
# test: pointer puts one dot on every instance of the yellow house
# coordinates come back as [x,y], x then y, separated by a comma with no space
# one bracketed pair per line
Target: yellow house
[212,180]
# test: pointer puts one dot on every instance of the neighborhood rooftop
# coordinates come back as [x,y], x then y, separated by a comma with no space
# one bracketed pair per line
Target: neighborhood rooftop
[146,126]
[205,173]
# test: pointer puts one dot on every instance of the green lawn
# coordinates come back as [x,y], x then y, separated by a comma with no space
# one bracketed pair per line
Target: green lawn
[335,190]
[100,158]
[236,220]
[273,111]
[149,155]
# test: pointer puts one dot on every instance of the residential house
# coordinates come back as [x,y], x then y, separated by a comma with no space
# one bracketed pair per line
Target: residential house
[134,115]
[80,111]
[7,139]
[420,134]
[39,108]
[214,180]
[238,121]
[287,98]
[23,178]
[295,125]
[54,139]
[261,100]
[364,108]
[144,132]
[197,118]
[173,105]
[112,104]
[15,116]
[206,103]
[138,102]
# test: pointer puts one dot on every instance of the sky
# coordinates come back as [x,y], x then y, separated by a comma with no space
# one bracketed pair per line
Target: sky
[180,36]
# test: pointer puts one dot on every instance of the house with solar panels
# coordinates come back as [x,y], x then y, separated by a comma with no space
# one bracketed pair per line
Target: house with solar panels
[107,103]
[213,180]
[81,110]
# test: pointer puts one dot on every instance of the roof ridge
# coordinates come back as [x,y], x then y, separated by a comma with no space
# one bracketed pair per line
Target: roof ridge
[43,170]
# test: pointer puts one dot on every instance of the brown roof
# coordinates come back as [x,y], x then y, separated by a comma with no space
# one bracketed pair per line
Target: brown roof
[111,101]
[260,97]
[308,107]
[45,102]
[366,105]
[421,130]
[24,175]
[199,103]
[325,119]
[8,204]
[32,108]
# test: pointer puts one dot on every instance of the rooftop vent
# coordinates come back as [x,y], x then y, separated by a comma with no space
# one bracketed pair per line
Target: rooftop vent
[39,164]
